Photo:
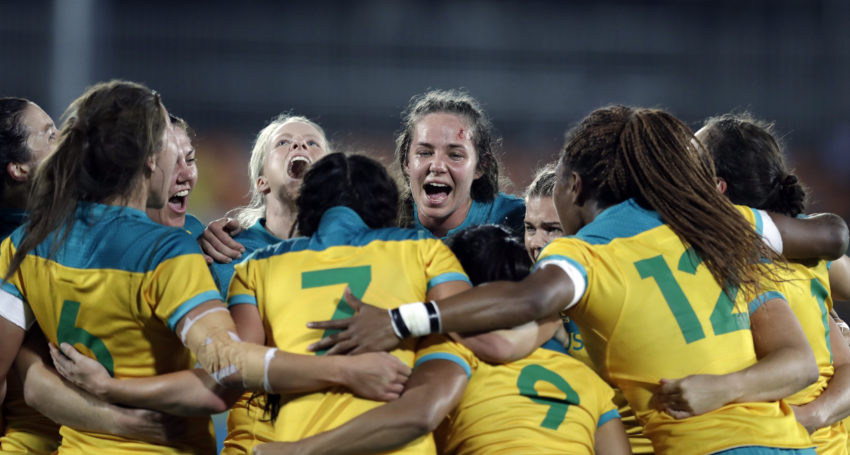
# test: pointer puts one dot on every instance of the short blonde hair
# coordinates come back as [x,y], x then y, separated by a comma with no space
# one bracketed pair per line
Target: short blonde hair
[247,215]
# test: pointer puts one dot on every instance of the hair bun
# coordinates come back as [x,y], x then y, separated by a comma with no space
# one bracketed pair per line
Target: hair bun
[788,180]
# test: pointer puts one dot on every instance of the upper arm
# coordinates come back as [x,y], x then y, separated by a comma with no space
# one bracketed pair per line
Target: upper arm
[15,319]
[207,316]
[840,350]
[774,327]
[839,278]
[610,439]
[447,289]
[12,336]
[433,390]
[508,345]
[249,324]
[823,236]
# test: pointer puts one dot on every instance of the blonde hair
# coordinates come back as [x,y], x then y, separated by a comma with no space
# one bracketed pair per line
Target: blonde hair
[248,214]
[543,184]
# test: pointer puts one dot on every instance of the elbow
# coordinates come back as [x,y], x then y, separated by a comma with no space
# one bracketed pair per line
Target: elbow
[204,407]
[219,400]
[839,239]
[216,407]
[810,375]
[807,372]
[491,348]
[34,396]
[426,421]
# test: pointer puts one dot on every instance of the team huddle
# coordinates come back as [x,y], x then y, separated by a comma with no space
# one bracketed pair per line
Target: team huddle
[655,290]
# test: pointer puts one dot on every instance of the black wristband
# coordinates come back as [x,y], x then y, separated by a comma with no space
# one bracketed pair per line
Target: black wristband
[433,316]
[398,323]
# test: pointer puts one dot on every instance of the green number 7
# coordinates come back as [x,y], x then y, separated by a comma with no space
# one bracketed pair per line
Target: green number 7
[357,279]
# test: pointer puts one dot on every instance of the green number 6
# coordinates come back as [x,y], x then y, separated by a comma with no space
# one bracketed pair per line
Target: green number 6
[68,332]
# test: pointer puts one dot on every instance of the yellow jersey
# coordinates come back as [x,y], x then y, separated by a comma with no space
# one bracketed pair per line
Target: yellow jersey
[808,294]
[651,310]
[302,280]
[574,345]
[26,430]
[115,289]
[246,424]
[546,403]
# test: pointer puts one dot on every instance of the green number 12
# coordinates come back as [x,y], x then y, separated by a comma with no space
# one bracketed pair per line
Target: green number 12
[723,320]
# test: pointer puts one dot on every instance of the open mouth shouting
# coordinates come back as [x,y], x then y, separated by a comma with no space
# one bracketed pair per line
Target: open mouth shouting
[177,202]
[297,167]
[436,193]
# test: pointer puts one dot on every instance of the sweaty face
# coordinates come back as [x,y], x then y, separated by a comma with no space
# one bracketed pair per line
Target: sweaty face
[173,213]
[295,146]
[441,167]
[41,133]
[541,224]
[165,162]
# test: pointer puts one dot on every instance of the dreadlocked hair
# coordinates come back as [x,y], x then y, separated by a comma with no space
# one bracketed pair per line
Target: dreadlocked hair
[649,155]
[109,133]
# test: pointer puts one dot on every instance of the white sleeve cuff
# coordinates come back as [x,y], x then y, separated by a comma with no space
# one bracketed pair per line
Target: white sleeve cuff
[15,310]
[769,232]
[575,275]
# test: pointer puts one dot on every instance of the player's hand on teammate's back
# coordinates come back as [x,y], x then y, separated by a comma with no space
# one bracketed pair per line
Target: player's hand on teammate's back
[376,375]
[217,241]
[82,371]
[689,396]
[367,331]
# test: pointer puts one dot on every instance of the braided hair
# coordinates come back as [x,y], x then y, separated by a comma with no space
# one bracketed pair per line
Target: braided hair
[650,156]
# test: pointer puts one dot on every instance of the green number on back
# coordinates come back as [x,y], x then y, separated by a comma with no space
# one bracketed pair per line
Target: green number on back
[657,269]
[820,293]
[68,332]
[529,376]
[357,278]
[723,320]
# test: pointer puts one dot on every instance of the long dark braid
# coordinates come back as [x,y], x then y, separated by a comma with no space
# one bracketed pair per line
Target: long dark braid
[651,156]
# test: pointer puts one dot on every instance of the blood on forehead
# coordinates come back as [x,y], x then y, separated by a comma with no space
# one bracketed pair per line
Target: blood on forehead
[461,134]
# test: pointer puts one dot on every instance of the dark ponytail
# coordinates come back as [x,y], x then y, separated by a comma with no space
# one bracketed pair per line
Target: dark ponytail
[749,158]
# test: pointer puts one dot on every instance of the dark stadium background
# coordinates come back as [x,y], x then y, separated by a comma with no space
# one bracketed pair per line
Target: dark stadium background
[538,67]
